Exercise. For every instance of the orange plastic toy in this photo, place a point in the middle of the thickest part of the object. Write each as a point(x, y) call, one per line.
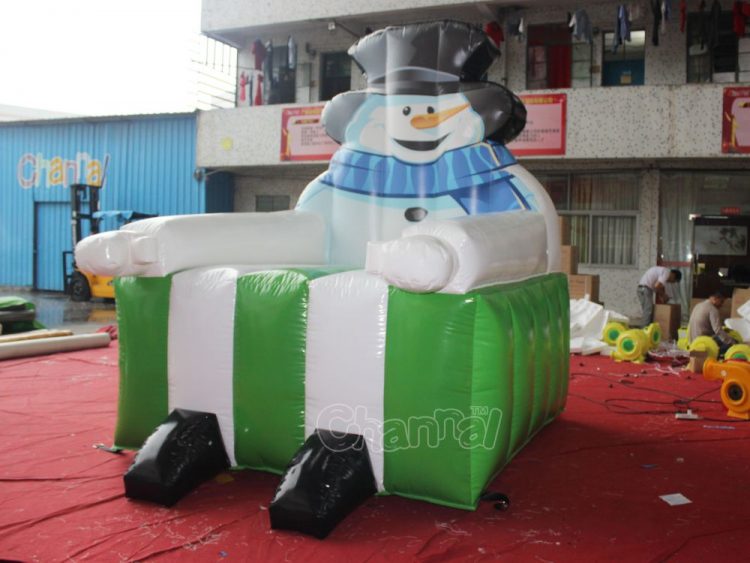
point(735, 391)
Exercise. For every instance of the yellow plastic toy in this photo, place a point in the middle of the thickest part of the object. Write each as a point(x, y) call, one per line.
point(738, 352)
point(612, 331)
point(735, 389)
point(653, 334)
point(683, 340)
point(705, 344)
point(631, 346)
point(736, 336)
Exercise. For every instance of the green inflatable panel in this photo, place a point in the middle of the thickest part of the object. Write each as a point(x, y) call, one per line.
point(143, 321)
point(482, 372)
point(269, 366)
point(468, 380)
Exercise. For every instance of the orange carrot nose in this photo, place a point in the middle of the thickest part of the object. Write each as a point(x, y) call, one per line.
point(429, 120)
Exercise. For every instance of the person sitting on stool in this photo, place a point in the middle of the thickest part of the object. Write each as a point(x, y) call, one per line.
point(705, 321)
point(653, 284)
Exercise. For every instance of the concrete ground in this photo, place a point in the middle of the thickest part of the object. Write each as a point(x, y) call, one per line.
point(56, 310)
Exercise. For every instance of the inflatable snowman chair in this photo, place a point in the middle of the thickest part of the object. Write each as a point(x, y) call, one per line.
point(403, 331)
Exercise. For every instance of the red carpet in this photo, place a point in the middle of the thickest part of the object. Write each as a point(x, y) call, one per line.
point(587, 488)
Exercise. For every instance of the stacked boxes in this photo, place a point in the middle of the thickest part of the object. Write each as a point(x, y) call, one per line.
point(579, 285)
point(564, 230)
point(668, 317)
point(569, 260)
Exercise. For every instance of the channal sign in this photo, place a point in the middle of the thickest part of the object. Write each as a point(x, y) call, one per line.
point(36, 170)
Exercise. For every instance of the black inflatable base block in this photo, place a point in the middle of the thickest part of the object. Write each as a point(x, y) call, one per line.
point(327, 479)
point(183, 452)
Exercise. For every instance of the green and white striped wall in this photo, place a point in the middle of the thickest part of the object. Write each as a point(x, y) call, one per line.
point(446, 389)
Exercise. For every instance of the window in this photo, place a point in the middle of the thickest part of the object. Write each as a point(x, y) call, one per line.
point(555, 59)
point(705, 193)
point(713, 53)
point(282, 77)
point(271, 202)
point(625, 67)
point(683, 193)
point(603, 211)
point(336, 75)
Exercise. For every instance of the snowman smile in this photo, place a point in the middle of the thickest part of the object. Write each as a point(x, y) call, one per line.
point(421, 145)
point(416, 129)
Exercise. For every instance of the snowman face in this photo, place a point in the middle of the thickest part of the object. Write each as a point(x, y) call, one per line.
point(414, 129)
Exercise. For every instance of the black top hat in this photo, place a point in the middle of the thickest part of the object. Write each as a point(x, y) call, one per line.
point(431, 59)
point(417, 58)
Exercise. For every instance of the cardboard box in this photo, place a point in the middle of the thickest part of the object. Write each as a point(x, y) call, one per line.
point(668, 316)
point(697, 359)
point(564, 229)
point(569, 259)
point(581, 285)
point(739, 298)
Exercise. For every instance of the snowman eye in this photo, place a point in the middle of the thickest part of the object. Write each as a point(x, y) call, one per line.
point(430, 109)
point(406, 110)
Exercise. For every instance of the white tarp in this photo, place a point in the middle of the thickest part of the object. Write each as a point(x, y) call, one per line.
point(587, 322)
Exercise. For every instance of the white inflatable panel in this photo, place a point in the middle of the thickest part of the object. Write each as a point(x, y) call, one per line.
point(740, 325)
point(164, 245)
point(744, 310)
point(200, 349)
point(587, 319)
point(547, 208)
point(345, 364)
point(483, 250)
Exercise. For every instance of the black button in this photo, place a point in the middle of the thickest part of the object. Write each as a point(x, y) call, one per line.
point(415, 214)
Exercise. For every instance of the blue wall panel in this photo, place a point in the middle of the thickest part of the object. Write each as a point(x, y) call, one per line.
point(151, 160)
point(52, 219)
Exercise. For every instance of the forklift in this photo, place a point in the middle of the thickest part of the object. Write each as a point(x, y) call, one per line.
point(80, 285)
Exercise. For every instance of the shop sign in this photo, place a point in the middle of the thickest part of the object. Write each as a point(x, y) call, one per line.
point(303, 136)
point(35, 170)
point(735, 130)
point(544, 134)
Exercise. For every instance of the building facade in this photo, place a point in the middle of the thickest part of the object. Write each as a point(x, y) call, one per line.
point(144, 164)
point(643, 122)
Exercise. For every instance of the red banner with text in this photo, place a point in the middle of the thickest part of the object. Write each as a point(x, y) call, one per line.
point(544, 134)
point(303, 136)
point(735, 130)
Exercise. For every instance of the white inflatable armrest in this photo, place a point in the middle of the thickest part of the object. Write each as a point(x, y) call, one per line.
point(165, 245)
point(458, 255)
point(418, 263)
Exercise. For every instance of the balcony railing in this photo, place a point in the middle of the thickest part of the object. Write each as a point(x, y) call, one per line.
point(638, 122)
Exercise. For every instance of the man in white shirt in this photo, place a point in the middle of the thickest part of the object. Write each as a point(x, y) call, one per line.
point(653, 284)
point(705, 321)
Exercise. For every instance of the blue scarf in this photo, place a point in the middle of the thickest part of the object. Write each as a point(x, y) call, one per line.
point(474, 176)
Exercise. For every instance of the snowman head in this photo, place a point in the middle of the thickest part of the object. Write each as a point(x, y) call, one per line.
point(415, 129)
point(425, 95)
